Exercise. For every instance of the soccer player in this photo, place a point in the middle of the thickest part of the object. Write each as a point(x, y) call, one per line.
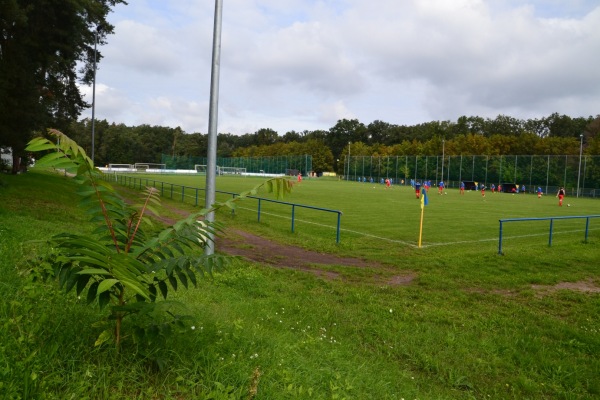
point(387, 183)
point(482, 190)
point(539, 192)
point(462, 188)
point(417, 189)
point(493, 187)
point(299, 177)
point(561, 196)
point(441, 187)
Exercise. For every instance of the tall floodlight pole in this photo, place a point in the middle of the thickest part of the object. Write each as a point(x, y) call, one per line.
point(94, 97)
point(580, 154)
point(349, 143)
point(211, 167)
point(443, 151)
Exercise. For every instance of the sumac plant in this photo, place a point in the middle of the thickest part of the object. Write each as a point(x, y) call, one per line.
point(126, 265)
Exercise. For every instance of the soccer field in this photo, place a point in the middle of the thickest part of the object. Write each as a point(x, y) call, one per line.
point(376, 217)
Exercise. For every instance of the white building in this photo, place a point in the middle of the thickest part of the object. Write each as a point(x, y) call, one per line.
point(6, 155)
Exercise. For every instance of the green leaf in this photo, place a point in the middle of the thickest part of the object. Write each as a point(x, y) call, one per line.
point(104, 337)
point(82, 282)
point(50, 160)
point(106, 284)
point(192, 277)
point(40, 146)
point(153, 292)
point(173, 282)
point(63, 275)
point(164, 290)
point(92, 291)
point(182, 278)
point(103, 299)
point(71, 280)
point(94, 271)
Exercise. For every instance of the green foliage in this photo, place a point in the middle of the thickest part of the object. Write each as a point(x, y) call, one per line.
point(123, 264)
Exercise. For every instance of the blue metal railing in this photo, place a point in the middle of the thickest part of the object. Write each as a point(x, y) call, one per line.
point(138, 183)
point(551, 219)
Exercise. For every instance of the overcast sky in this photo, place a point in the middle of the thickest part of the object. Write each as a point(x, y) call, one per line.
point(304, 64)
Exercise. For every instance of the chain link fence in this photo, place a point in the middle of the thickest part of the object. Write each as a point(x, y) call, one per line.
point(548, 172)
point(289, 165)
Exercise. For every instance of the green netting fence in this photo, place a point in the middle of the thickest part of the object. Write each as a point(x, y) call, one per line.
point(289, 164)
point(549, 172)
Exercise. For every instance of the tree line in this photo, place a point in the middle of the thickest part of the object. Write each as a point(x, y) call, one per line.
point(553, 135)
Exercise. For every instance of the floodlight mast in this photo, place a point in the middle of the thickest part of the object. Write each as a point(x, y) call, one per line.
point(211, 168)
point(443, 154)
point(94, 95)
point(580, 155)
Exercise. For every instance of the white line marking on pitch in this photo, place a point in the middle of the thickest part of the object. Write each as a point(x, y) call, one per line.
point(413, 244)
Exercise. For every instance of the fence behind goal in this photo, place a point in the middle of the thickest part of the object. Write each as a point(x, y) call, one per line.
point(548, 172)
point(266, 165)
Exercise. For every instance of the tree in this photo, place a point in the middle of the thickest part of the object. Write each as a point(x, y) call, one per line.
point(266, 136)
point(344, 132)
point(41, 45)
point(292, 136)
point(503, 125)
point(379, 132)
point(322, 158)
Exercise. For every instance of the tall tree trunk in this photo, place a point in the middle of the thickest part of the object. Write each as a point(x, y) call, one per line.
point(16, 163)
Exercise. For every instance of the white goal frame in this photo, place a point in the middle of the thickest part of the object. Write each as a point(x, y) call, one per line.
point(119, 166)
point(143, 167)
point(231, 171)
point(200, 168)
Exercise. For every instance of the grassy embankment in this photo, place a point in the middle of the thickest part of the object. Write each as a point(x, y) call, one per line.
point(470, 325)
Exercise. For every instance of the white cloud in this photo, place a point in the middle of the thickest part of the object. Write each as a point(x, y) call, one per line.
point(300, 64)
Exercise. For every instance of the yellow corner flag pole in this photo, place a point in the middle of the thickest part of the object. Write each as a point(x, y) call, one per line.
point(423, 203)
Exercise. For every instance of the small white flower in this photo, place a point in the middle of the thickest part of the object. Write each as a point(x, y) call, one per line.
point(193, 327)
point(391, 311)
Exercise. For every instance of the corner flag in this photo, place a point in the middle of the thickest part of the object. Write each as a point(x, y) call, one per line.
point(424, 202)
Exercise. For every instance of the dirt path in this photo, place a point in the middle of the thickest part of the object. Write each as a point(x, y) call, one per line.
point(264, 251)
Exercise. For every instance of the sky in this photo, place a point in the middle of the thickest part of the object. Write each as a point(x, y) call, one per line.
point(296, 65)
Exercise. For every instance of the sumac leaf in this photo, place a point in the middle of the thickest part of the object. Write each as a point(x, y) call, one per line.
point(173, 282)
point(164, 290)
point(92, 291)
point(103, 299)
point(82, 281)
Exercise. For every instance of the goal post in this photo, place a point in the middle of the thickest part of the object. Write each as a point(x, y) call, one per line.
point(120, 167)
point(231, 171)
point(149, 167)
point(200, 169)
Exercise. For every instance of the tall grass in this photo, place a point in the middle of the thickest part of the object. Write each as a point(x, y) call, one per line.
point(470, 325)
